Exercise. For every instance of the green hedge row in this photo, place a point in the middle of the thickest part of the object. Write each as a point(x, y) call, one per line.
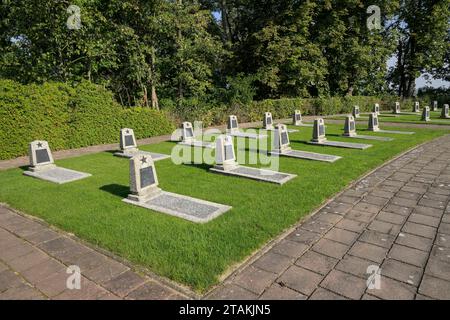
point(283, 108)
point(68, 117)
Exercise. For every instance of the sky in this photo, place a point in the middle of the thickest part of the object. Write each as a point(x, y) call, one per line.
point(422, 82)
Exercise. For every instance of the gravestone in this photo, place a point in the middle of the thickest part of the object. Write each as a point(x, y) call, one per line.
point(297, 118)
point(435, 106)
point(188, 137)
point(356, 113)
point(233, 130)
point(42, 165)
point(373, 122)
point(40, 156)
point(143, 179)
point(233, 125)
point(397, 108)
point(426, 114)
point(376, 109)
point(280, 142)
point(268, 121)
point(416, 107)
point(145, 192)
point(226, 164)
point(319, 131)
point(445, 112)
point(281, 147)
point(225, 157)
point(350, 127)
point(128, 147)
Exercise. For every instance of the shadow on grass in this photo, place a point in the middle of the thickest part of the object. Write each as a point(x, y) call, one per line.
point(116, 190)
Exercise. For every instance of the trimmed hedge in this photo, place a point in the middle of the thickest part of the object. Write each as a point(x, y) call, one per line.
point(68, 117)
point(282, 108)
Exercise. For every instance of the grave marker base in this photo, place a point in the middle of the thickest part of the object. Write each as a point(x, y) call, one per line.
point(257, 174)
point(340, 144)
point(395, 132)
point(130, 154)
point(358, 136)
point(247, 135)
point(57, 175)
point(188, 208)
point(306, 155)
point(198, 144)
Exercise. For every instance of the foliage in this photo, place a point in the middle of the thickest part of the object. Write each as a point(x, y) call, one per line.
point(68, 117)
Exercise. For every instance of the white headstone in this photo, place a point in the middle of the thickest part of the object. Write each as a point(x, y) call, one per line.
point(435, 105)
point(268, 121)
point(143, 178)
point(187, 133)
point(297, 118)
point(445, 112)
point(233, 125)
point(426, 114)
point(356, 113)
point(397, 108)
point(225, 157)
point(373, 122)
point(376, 108)
point(319, 131)
point(280, 141)
point(127, 140)
point(40, 156)
point(416, 107)
point(350, 127)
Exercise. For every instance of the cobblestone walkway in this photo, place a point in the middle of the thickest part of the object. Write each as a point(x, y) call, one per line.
point(397, 218)
point(34, 260)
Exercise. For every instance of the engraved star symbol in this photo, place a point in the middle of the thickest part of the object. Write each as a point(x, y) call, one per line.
point(144, 160)
point(128, 131)
point(39, 145)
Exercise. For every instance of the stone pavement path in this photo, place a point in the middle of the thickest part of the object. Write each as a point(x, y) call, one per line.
point(34, 260)
point(396, 218)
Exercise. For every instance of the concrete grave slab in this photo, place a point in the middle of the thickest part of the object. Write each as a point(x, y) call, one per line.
point(146, 193)
point(319, 138)
point(281, 147)
point(226, 164)
point(129, 149)
point(374, 126)
point(42, 165)
point(350, 131)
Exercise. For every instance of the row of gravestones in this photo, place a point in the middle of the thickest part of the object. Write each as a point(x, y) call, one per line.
point(144, 182)
point(416, 109)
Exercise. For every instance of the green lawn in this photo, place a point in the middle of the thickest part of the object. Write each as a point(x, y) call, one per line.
point(192, 254)
point(404, 118)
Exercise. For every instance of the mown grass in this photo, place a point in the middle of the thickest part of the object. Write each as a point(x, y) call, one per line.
point(192, 254)
point(435, 118)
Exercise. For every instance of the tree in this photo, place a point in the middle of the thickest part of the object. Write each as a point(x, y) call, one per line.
point(423, 45)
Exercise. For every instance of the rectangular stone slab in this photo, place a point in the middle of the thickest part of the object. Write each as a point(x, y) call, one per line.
point(307, 155)
point(395, 132)
point(340, 144)
point(304, 125)
point(247, 135)
point(359, 136)
point(58, 175)
point(155, 156)
point(258, 174)
point(188, 208)
point(198, 144)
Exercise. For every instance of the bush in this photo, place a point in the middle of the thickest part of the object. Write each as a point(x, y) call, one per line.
point(68, 117)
